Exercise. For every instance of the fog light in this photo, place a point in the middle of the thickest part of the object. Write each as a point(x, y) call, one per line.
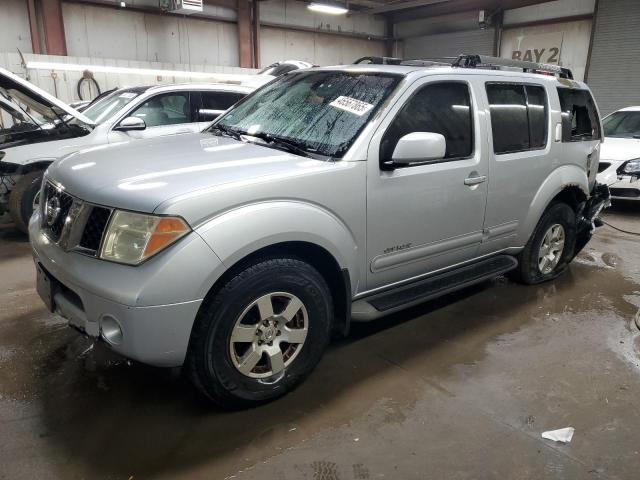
point(110, 330)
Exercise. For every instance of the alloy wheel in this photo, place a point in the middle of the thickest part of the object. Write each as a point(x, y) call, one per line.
point(268, 335)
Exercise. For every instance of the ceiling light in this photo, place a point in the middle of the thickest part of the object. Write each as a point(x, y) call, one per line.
point(331, 9)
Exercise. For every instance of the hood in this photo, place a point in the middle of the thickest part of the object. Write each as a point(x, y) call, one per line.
point(143, 174)
point(619, 149)
point(18, 90)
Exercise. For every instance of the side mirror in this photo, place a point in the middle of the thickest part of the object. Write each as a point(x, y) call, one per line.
point(631, 167)
point(131, 123)
point(419, 147)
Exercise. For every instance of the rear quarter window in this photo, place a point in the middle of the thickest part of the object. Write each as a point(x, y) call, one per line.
point(580, 119)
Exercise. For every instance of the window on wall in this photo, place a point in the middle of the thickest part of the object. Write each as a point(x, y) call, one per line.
point(443, 108)
point(518, 117)
point(579, 115)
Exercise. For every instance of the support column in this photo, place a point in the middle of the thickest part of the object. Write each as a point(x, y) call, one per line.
point(54, 39)
point(33, 26)
point(255, 33)
point(244, 34)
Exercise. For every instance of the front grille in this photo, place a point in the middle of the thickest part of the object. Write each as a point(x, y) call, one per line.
point(94, 228)
point(602, 166)
point(625, 192)
point(55, 211)
point(72, 223)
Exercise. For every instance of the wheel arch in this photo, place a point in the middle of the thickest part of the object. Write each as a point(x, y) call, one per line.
point(568, 184)
point(338, 278)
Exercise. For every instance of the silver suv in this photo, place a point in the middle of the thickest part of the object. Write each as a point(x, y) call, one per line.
point(330, 195)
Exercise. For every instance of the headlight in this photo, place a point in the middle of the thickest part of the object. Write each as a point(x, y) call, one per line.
point(632, 167)
point(133, 237)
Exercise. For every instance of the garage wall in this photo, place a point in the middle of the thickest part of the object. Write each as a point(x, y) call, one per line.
point(443, 36)
point(450, 44)
point(14, 26)
point(614, 70)
point(318, 48)
point(93, 31)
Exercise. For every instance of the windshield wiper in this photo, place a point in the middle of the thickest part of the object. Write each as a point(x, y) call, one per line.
point(229, 132)
point(284, 144)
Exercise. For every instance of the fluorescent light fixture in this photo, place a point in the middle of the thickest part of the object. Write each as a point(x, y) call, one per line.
point(331, 9)
point(123, 4)
point(74, 67)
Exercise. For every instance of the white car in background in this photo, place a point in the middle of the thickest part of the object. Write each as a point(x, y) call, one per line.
point(42, 128)
point(620, 152)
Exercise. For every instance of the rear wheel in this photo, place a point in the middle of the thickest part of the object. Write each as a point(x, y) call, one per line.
point(261, 334)
point(23, 199)
point(550, 247)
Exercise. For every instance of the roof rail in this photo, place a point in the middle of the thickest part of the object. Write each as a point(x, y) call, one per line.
point(379, 60)
point(484, 61)
point(474, 61)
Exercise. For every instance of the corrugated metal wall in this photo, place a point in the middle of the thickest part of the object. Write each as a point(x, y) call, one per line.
point(614, 70)
point(450, 44)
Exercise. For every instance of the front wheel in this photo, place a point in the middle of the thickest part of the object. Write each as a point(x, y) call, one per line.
point(261, 334)
point(551, 246)
point(23, 199)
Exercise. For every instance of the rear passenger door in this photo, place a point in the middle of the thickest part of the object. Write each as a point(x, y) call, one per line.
point(215, 103)
point(520, 159)
point(426, 216)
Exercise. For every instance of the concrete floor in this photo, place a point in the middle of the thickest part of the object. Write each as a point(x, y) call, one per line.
point(457, 388)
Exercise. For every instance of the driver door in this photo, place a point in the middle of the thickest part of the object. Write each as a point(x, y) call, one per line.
point(426, 216)
point(164, 114)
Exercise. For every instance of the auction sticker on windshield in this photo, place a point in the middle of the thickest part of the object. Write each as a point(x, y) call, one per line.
point(352, 105)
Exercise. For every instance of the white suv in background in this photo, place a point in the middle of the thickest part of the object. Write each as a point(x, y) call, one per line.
point(620, 153)
point(44, 128)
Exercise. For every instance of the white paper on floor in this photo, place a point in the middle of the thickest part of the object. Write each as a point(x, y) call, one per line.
point(563, 435)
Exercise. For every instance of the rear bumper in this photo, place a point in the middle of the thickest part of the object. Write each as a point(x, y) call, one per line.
point(153, 305)
point(600, 199)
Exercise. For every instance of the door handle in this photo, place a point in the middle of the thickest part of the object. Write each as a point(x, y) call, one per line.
point(470, 181)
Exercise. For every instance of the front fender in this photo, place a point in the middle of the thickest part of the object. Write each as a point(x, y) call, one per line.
point(242, 231)
point(561, 178)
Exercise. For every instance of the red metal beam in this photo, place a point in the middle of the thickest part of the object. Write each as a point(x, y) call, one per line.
point(245, 46)
point(54, 39)
point(33, 26)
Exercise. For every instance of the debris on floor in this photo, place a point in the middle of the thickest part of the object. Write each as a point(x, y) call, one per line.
point(563, 435)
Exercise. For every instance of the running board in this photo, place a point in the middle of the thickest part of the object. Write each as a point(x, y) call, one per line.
point(391, 301)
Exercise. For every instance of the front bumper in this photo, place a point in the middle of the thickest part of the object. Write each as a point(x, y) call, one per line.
point(154, 304)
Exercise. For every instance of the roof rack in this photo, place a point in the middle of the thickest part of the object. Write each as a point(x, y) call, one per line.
point(474, 61)
point(484, 61)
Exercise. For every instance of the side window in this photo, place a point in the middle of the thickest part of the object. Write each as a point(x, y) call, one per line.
point(165, 109)
point(215, 103)
point(579, 115)
point(537, 111)
point(518, 117)
point(443, 108)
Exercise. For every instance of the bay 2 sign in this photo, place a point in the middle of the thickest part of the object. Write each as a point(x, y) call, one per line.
point(540, 48)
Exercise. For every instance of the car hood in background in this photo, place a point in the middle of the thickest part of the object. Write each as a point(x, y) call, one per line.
point(143, 174)
point(19, 90)
point(619, 149)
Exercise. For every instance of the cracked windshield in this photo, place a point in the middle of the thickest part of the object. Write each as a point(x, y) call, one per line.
point(320, 112)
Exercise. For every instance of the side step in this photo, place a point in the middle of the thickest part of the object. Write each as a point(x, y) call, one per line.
point(432, 287)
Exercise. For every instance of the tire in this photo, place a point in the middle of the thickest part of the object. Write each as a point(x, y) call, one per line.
point(530, 269)
point(214, 361)
point(22, 197)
